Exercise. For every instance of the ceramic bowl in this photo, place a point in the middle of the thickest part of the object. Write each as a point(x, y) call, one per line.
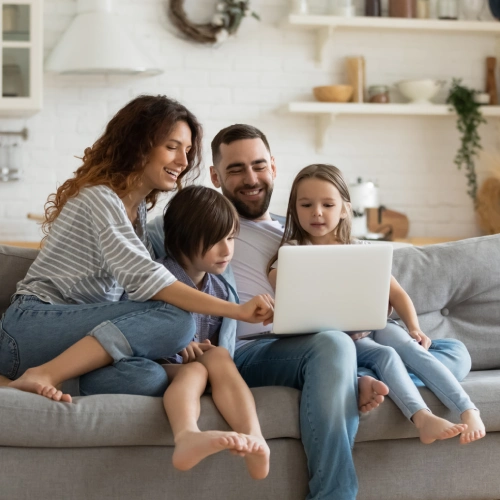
point(420, 91)
point(333, 93)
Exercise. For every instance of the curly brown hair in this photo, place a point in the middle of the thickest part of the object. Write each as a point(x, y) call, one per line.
point(118, 158)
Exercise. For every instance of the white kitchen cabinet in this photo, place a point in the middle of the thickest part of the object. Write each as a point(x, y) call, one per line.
point(21, 58)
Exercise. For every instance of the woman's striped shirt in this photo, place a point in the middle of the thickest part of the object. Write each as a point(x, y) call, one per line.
point(93, 254)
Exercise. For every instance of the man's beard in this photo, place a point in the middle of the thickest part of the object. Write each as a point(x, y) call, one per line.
point(246, 211)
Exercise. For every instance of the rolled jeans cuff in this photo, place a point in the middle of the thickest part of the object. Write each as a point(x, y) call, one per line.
point(112, 340)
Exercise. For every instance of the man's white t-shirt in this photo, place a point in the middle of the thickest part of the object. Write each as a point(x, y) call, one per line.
point(254, 246)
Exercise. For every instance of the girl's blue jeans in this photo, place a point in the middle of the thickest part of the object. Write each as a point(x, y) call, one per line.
point(391, 352)
point(323, 367)
point(133, 333)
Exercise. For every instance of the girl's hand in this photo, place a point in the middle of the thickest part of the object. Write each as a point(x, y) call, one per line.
point(421, 338)
point(260, 309)
point(194, 350)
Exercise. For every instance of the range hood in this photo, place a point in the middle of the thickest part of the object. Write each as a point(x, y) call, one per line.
point(96, 43)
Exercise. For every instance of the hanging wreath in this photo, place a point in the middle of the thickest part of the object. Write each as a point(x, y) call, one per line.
point(225, 22)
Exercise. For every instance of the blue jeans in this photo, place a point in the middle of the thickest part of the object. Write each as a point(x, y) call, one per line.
point(133, 333)
point(391, 352)
point(323, 366)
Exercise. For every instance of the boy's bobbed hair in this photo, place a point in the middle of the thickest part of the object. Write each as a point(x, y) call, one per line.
point(195, 219)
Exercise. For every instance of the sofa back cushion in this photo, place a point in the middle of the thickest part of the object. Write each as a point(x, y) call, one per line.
point(455, 288)
point(14, 264)
point(456, 291)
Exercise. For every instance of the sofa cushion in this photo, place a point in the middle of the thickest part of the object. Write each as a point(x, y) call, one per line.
point(456, 291)
point(124, 420)
point(14, 264)
point(387, 421)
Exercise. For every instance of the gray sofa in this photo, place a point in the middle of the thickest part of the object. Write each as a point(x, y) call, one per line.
point(120, 447)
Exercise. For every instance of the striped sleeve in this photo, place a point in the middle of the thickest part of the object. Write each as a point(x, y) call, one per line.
point(127, 259)
point(124, 256)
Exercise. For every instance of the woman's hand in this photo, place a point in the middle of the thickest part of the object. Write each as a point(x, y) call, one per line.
point(194, 350)
point(421, 338)
point(260, 309)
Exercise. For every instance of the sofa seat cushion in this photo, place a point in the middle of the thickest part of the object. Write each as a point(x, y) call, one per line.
point(387, 421)
point(124, 420)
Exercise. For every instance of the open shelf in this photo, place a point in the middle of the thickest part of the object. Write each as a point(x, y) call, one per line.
point(327, 112)
point(327, 25)
point(394, 23)
point(352, 108)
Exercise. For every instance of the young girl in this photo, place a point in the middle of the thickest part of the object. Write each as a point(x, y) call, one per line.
point(67, 318)
point(199, 246)
point(319, 213)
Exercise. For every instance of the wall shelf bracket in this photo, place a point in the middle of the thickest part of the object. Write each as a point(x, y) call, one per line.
point(324, 124)
point(323, 38)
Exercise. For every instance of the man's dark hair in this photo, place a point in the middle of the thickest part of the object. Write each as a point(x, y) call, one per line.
point(233, 133)
point(195, 219)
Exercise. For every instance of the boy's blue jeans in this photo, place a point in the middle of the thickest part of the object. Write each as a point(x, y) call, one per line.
point(323, 366)
point(133, 333)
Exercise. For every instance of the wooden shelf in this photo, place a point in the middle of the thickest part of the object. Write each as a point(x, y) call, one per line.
point(327, 112)
point(326, 26)
point(426, 240)
point(23, 244)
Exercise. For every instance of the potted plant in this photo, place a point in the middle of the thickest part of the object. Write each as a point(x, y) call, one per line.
point(469, 117)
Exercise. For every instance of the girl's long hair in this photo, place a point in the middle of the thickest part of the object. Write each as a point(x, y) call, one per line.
point(118, 158)
point(293, 229)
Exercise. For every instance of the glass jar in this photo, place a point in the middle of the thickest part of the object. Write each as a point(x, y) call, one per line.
point(423, 9)
point(402, 8)
point(300, 7)
point(372, 8)
point(448, 9)
point(378, 94)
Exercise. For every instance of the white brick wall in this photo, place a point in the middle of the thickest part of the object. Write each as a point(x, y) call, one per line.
point(249, 79)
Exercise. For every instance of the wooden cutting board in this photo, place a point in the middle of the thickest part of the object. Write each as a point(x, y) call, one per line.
point(380, 219)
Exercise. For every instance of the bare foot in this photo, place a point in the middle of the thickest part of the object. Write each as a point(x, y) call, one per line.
point(34, 380)
point(475, 427)
point(432, 428)
point(371, 393)
point(192, 447)
point(4, 381)
point(257, 457)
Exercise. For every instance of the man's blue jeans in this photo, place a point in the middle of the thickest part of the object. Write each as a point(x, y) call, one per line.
point(323, 366)
point(133, 333)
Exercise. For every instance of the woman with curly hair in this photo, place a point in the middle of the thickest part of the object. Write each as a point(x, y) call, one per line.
point(94, 301)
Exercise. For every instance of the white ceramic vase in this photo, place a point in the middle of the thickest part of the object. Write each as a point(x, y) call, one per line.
point(472, 9)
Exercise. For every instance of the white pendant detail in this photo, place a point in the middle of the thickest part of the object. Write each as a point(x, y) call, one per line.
point(97, 43)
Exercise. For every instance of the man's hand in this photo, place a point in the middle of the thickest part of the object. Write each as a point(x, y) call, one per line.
point(421, 338)
point(260, 309)
point(194, 350)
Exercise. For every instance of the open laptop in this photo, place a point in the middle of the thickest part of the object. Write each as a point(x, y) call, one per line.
point(330, 287)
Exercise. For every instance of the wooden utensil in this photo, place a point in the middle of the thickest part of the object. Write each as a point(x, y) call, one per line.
point(491, 81)
point(380, 219)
